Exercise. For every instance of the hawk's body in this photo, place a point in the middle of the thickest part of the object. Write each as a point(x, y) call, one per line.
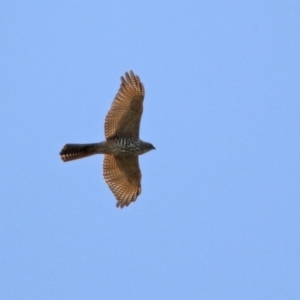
point(122, 146)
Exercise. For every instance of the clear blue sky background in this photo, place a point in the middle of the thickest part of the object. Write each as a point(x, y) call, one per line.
point(219, 215)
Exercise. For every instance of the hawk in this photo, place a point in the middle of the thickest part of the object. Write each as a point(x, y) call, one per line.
point(122, 144)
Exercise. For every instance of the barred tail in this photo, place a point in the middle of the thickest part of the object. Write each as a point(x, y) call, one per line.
point(76, 151)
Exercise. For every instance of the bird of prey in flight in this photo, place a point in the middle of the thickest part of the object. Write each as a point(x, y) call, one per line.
point(122, 144)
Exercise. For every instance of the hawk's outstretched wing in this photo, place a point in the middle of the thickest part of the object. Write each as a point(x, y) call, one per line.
point(124, 116)
point(123, 176)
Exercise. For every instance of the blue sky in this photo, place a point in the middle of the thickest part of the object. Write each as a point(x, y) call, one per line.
point(219, 214)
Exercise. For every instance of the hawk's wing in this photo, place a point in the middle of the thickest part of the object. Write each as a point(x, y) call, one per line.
point(123, 176)
point(124, 116)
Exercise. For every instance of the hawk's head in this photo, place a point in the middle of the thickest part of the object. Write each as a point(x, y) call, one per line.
point(146, 147)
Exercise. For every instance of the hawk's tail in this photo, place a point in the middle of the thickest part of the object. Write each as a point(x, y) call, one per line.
point(76, 151)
